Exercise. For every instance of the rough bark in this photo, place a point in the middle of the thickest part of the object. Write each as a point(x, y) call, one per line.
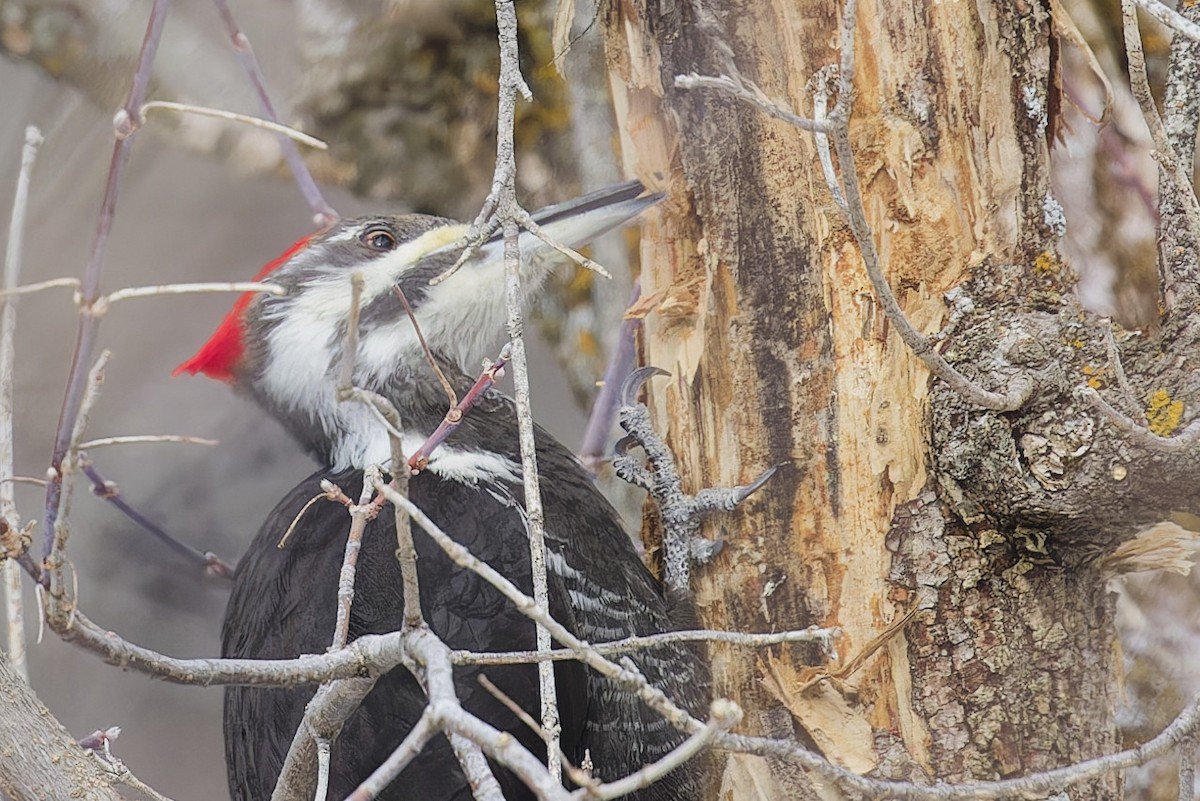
point(778, 353)
point(39, 759)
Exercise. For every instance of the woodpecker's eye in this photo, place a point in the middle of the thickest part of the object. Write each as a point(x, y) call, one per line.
point(378, 239)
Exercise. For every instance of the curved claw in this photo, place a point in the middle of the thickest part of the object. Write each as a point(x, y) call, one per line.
point(746, 490)
point(633, 383)
point(623, 445)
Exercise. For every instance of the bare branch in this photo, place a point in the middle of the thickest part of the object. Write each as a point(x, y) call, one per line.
point(1185, 439)
point(207, 561)
point(1171, 18)
point(41, 758)
point(100, 306)
point(811, 634)
point(58, 604)
point(432, 362)
point(508, 211)
point(1176, 183)
point(526, 221)
point(534, 514)
point(432, 654)
point(360, 513)
point(369, 655)
point(420, 457)
point(14, 614)
point(526, 605)
point(323, 213)
point(140, 439)
point(85, 341)
point(398, 760)
point(748, 92)
point(329, 709)
point(29, 289)
point(1035, 785)
point(724, 715)
point(232, 116)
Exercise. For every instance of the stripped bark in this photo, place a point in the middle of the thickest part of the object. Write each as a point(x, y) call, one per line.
point(779, 353)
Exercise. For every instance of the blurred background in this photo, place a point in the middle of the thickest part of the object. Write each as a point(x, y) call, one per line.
point(412, 128)
point(404, 92)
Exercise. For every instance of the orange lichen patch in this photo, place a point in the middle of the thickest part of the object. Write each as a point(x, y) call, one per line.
point(1163, 413)
point(1046, 263)
point(1093, 373)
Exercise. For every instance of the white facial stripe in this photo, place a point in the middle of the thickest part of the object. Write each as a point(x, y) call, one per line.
point(327, 297)
point(347, 235)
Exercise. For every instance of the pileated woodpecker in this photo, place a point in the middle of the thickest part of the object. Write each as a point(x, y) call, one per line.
point(285, 351)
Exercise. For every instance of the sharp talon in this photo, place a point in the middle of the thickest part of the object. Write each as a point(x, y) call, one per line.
point(623, 445)
point(703, 551)
point(754, 486)
point(633, 383)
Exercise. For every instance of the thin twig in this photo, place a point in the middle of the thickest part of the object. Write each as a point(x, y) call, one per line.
point(579, 777)
point(432, 362)
point(398, 760)
point(386, 412)
point(232, 116)
point(1187, 768)
point(534, 513)
point(323, 213)
point(29, 289)
point(1037, 785)
point(1184, 440)
point(322, 769)
point(526, 221)
point(360, 514)
point(55, 561)
point(125, 129)
point(527, 606)
point(109, 491)
point(14, 614)
point(629, 644)
point(100, 306)
point(508, 212)
point(1175, 177)
point(433, 656)
point(329, 709)
point(752, 95)
point(723, 716)
point(458, 410)
point(1171, 18)
point(139, 439)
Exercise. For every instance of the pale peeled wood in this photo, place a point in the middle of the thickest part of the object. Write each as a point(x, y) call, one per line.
point(765, 319)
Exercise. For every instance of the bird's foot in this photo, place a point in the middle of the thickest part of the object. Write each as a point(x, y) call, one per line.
point(682, 513)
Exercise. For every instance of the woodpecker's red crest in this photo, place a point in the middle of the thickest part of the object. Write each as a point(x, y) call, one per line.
point(225, 347)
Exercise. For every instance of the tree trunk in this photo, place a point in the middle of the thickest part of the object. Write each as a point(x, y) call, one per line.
point(39, 759)
point(779, 353)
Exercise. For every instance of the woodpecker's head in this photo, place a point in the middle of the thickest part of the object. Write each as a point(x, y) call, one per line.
point(286, 350)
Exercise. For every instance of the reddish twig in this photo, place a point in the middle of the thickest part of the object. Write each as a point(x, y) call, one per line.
point(419, 460)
